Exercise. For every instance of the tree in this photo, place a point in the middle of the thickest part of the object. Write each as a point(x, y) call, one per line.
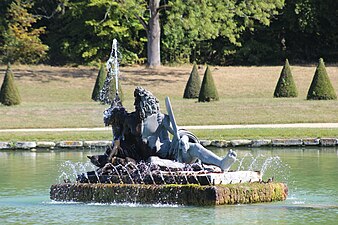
point(310, 29)
point(193, 85)
point(99, 82)
point(9, 94)
point(216, 26)
point(208, 90)
point(84, 32)
point(321, 87)
point(304, 31)
point(187, 22)
point(21, 41)
point(285, 87)
point(4, 4)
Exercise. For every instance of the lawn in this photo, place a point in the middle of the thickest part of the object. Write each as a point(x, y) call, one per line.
point(60, 97)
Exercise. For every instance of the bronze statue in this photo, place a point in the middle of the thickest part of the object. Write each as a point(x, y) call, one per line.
point(144, 135)
point(184, 147)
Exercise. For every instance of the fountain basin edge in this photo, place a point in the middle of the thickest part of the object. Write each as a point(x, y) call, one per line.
point(187, 194)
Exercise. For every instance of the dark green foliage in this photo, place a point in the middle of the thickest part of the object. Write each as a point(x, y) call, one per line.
point(82, 33)
point(109, 91)
point(9, 94)
point(321, 87)
point(193, 86)
point(285, 87)
point(208, 90)
point(99, 82)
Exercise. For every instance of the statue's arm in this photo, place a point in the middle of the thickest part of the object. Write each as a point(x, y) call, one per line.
point(166, 123)
point(118, 135)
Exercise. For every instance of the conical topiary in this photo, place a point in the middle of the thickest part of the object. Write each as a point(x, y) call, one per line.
point(285, 87)
point(193, 86)
point(112, 92)
point(321, 87)
point(9, 94)
point(108, 91)
point(208, 90)
point(99, 82)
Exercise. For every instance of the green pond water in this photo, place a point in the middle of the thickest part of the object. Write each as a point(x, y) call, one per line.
point(311, 175)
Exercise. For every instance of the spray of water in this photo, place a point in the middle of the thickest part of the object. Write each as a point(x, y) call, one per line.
point(269, 166)
point(69, 170)
point(112, 72)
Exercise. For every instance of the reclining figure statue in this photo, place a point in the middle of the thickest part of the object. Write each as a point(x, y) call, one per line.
point(144, 135)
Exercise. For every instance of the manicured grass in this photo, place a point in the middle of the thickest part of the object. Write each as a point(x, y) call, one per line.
point(56, 136)
point(265, 133)
point(222, 134)
point(60, 97)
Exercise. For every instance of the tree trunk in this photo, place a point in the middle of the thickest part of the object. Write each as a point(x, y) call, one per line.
point(154, 35)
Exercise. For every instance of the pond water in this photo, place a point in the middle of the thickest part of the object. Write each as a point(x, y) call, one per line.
point(311, 174)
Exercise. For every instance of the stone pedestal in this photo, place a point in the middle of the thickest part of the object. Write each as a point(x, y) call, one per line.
point(191, 194)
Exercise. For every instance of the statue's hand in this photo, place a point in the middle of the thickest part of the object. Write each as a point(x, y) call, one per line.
point(184, 144)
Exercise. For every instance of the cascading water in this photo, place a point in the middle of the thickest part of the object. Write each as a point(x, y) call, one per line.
point(269, 166)
point(69, 170)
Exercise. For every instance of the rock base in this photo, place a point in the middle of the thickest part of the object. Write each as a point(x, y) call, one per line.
point(190, 194)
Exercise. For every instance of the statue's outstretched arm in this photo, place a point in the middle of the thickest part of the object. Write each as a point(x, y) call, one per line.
point(167, 125)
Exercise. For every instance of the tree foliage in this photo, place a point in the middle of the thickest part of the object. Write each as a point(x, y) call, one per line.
point(219, 32)
point(21, 41)
point(321, 87)
point(193, 85)
point(286, 86)
point(191, 25)
point(9, 93)
point(91, 26)
point(304, 31)
point(208, 90)
point(186, 25)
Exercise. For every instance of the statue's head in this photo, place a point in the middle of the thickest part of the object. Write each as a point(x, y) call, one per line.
point(145, 103)
point(114, 115)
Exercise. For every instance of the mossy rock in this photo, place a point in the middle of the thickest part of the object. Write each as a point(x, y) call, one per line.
point(321, 87)
point(193, 85)
point(188, 194)
point(208, 90)
point(99, 82)
point(286, 86)
point(9, 93)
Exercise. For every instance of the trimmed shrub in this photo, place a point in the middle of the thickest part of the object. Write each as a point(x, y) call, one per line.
point(208, 90)
point(321, 87)
point(113, 89)
point(99, 82)
point(9, 94)
point(285, 87)
point(193, 85)
point(109, 91)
